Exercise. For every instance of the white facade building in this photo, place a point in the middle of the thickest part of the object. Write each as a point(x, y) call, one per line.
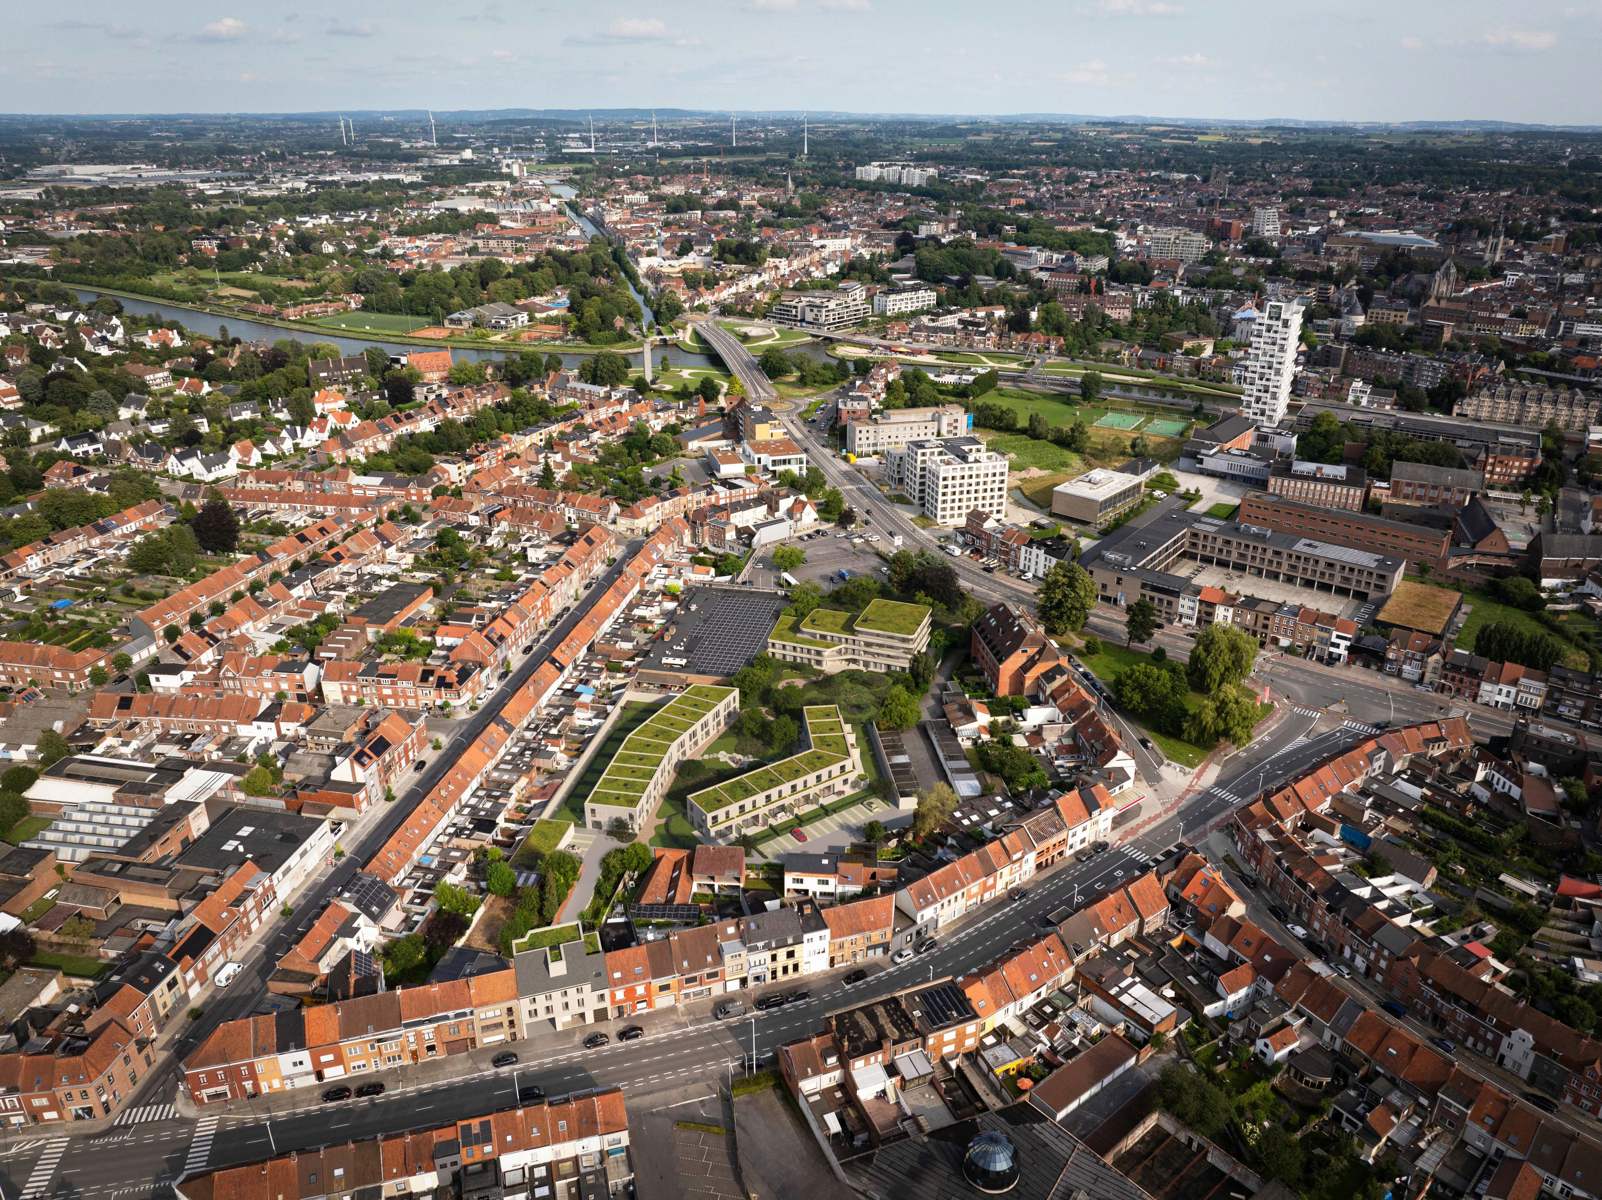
point(891, 303)
point(1271, 362)
point(949, 477)
point(1265, 222)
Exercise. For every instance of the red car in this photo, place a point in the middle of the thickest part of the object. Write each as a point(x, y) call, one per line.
point(798, 835)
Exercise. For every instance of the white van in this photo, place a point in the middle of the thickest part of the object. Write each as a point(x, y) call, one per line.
point(226, 974)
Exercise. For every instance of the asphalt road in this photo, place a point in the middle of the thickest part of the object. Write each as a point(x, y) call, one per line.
point(250, 988)
point(738, 359)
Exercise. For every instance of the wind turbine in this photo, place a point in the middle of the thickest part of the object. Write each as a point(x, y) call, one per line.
point(433, 134)
point(803, 135)
point(592, 135)
point(734, 130)
point(653, 129)
point(342, 139)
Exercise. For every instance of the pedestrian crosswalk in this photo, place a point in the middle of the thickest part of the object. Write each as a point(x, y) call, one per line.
point(1360, 727)
point(1225, 795)
point(1306, 712)
point(200, 1148)
point(148, 1112)
point(45, 1169)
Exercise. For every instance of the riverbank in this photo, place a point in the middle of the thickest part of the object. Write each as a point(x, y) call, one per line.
point(326, 333)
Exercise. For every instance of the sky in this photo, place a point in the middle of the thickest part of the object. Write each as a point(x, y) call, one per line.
point(1367, 60)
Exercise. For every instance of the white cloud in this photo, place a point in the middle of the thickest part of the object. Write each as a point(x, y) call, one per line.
point(1188, 60)
point(773, 5)
point(502, 55)
point(1520, 40)
point(224, 29)
point(1141, 8)
point(845, 5)
point(627, 30)
point(1412, 43)
point(1093, 72)
point(351, 29)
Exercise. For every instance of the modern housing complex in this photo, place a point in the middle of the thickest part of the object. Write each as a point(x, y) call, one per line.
point(948, 477)
point(894, 428)
point(638, 776)
point(885, 636)
point(829, 766)
point(1271, 364)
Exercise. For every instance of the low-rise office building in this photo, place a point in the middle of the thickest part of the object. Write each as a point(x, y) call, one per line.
point(823, 312)
point(1097, 497)
point(1375, 535)
point(894, 428)
point(1327, 485)
point(885, 636)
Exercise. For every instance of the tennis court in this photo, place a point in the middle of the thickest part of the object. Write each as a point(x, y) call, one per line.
point(1119, 420)
point(1167, 427)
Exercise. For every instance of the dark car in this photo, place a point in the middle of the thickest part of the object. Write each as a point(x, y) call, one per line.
point(1101, 847)
point(769, 1003)
point(504, 1059)
point(1084, 856)
point(335, 1094)
point(630, 1033)
point(595, 1041)
point(798, 996)
point(855, 977)
point(371, 1089)
point(925, 946)
point(1018, 894)
point(530, 1093)
point(1444, 1045)
point(1544, 1103)
point(1395, 1007)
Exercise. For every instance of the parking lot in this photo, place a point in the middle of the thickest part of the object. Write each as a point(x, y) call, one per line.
point(827, 555)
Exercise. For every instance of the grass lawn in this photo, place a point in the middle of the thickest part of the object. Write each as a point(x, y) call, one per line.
point(1025, 451)
point(26, 828)
point(1485, 611)
point(1223, 510)
point(1038, 490)
point(372, 322)
point(71, 964)
point(634, 715)
point(1114, 658)
point(37, 909)
point(541, 840)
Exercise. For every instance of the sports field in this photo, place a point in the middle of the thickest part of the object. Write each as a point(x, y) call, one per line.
point(366, 322)
point(1166, 427)
point(1120, 420)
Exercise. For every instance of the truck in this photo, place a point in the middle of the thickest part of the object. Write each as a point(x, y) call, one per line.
point(897, 541)
point(788, 579)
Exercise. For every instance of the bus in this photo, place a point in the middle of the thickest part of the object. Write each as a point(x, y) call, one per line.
point(788, 579)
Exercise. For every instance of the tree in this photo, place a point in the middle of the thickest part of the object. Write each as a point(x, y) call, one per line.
point(775, 363)
point(782, 734)
point(899, 709)
point(1089, 387)
point(500, 879)
point(172, 633)
point(547, 475)
point(216, 527)
point(1092, 646)
point(1066, 596)
point(804, 597)
point(52, 747)
point(455, 900)
point(637, 858)
point(258, 781)
point(121, 663)
point(1229, 715)
point(77, 929)
point(98, 676)
point(18, 779)
point(789, 558)
point(13, 808)
point(1141, 621)
point(404, 955)
point(1222, 655)
point(16, 947)
point(935, 807)
point(875, 834)
point(605, 369)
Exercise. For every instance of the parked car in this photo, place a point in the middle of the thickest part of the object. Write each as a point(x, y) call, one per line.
point(901, 956)
point(1444, 1045)
point(595, 1041)
point(1544, 1103)
point(770, 1002)
point(1395, 1007)
point(1084, 856)
point(855, 977)
point(226, 974)
point(798, 996)
point(504, 1059)
point(530, 1093)
point(729, 1008)
point(1344, 969)
point(1297, 932)
point(1101, 847)
point(1018, 894)
point(335, 1094)
point(630, 1033)
point(925, 945)
point(798, 835)
point(371, 1089)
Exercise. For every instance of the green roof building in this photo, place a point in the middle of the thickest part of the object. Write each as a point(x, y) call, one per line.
point(885, 636)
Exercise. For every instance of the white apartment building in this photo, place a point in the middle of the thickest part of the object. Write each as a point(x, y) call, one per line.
point(894, 302)
point(949, 477)
point(896, 172)
point(894, 428)
point(821, 311)
point(1186, 245)
point(1265, 222)
point(1271, 362)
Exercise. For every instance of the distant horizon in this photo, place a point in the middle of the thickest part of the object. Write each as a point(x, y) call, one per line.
point(1440, 61)
point(636, 113)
